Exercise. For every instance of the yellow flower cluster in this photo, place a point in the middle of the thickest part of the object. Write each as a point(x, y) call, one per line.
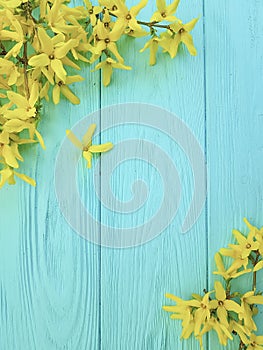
point(224, 310)
point(42, 41)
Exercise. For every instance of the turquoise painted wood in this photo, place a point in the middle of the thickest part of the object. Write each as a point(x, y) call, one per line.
point(60, 291)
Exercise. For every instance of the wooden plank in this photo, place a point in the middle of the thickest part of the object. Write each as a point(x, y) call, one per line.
point(134, 280)
point(234, 64)
point(49, 275)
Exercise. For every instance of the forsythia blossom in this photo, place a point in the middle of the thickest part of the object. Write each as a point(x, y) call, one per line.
point(44, 43)
point(223, 310)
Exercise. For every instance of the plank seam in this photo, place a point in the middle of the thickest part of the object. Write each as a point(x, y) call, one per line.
point(205, 144)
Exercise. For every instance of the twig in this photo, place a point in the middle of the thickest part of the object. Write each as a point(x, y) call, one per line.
point(25, 62)
point(254, 286)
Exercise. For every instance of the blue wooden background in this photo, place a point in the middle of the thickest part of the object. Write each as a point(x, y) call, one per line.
point(59, 291)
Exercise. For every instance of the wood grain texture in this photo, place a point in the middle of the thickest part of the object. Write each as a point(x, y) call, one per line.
point(59, 291)
point(49, 276)
point(134, 280)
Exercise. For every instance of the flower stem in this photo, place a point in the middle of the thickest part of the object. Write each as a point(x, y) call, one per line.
point(25, 61)
point(148, 24)
point(154, 24)
point(254, 286)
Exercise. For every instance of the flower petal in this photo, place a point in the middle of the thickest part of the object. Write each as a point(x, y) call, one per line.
point(88, 135)
point(88, 156)
point(239, 237)
point(137, 8)
point(171, 9)
point(190, 26)
point(231, 305)
point(222, 315)
point(17, 99)
point(187, 39)
point(219, 263)
point(56, 94)
point(65, 90)
point(63, 50)
point(74, 139)
point(40, 139)
point(26, 178)
point(45, 41)
point(59, 70)
point(9, 157)
point(220, 291)
point(40, 60)
point(101, 148)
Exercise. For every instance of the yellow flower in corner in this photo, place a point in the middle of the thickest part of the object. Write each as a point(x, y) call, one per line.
point(165, 12)
point(255, 342)
point(86, 145)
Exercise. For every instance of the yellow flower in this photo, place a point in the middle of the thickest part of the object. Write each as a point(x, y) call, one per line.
point(247, 300)
point(178, 33)
point(222, 304)
point(107, 69)
point(202, 314)
point(241, 330)
point(25, 108)
point(93, 12)
point(227, 274)
point(136, 33)
point(7, 175)
point(53, 51)
point(56, 15)
point(153, 45)
point(255, 342)
point(62, 88)
point(258, 234)
point(239, 260)
point(13, 33)
point(180, 311)
point(10, 69)
point(221, 330)
point(9, 150)
point(165, 12)
point(126, 17)
point(18, 125)
point(86, 145)
point(106, 20)
point(106, 40)
point(246, 244)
